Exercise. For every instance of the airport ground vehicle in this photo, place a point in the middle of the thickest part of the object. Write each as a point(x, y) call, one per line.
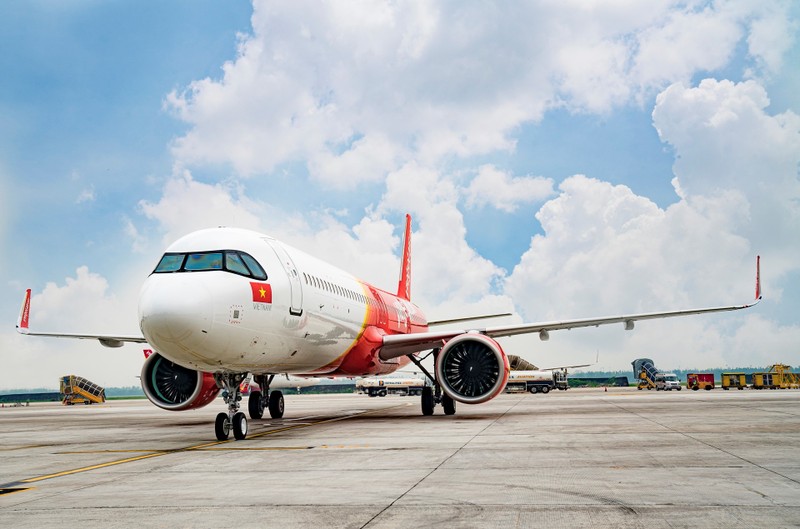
point(382, 386)
point(697, 381)
point(779, 376)
point(78, 390)
point(667, 382)
point(645, 372)
point(536, 381)
point(734, 380)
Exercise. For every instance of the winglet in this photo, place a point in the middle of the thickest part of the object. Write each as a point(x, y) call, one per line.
point(758, 277)
point(24, 313)
point(404, 286)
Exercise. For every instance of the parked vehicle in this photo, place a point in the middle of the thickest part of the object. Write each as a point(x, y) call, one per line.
point(695, 381)
point(667, 382)
point(536, 381)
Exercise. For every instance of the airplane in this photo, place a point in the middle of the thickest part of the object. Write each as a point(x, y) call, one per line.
point(225, 303)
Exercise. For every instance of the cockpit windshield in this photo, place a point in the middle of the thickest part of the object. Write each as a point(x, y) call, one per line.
point(228, 260)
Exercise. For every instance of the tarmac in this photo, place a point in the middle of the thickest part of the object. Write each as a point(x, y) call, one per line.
point(580, 458)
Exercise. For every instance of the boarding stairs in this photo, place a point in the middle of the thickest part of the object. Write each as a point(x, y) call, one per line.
point(75, 389)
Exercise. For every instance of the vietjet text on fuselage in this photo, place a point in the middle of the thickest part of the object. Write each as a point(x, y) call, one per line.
point(226, 303)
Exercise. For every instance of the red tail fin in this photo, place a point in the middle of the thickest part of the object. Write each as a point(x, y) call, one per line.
point(25, 313)
point(404, 287)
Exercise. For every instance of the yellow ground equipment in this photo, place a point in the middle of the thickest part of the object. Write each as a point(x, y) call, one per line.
point(734, 380)
point(697, 381)
point(76, 390)
point(779, 376)
point(645, 372)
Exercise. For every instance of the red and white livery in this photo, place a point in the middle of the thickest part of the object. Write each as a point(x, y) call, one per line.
point(226, 303)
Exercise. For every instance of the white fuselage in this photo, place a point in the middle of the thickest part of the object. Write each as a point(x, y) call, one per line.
point(214, 320)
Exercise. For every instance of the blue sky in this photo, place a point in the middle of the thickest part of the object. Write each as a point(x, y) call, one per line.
point(124, 125)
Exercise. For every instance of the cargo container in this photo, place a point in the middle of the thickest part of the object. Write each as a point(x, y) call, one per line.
point(697, 381)
point(765, 381)
point(734, 380)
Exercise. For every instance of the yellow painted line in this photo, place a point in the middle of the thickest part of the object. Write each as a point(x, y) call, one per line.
point(202, 447)
point(93, 467)
point(255, 448)
point(11, 449)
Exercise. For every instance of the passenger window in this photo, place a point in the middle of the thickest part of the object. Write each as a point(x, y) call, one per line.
point(170, 263)
point(233, 262)
point(204, 261)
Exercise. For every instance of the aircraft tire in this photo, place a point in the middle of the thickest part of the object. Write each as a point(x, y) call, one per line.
point(222, 427)
point(449, 405)
point(275, 404)
point(239, 426)
point(255, 405)
point(427, 401)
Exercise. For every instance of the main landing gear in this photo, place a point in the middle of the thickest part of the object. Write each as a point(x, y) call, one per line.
point(233, 420)
point(433, 395)
point(265, 399)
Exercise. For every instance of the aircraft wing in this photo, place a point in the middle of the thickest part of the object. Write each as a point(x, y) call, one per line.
point(396, 345)
point(109, 340)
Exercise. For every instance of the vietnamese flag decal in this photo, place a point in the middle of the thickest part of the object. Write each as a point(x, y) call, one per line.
point(262, 292)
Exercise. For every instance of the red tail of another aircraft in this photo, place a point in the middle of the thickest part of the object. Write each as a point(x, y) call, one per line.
point(404, 287)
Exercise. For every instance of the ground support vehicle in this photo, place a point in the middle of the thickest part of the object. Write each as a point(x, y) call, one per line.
point(734, 380)
point(382, 386)
point(536, 381)
point(765, 381)
point(779, 376)
point(645, 371)
point(695, 381)
point(667, 382)
point(78, 390)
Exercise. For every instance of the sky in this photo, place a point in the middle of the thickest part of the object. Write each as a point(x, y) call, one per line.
point(560, 159)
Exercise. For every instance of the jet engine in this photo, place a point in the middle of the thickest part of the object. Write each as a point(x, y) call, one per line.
point(472, 368)
point(173, 387)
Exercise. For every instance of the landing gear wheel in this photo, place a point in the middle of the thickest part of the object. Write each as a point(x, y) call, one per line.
point(222, 426)
point(239, 426)
point(427, 401)
point(449, 405)
point(545, 389)
point(255, 405)
point(276, 404)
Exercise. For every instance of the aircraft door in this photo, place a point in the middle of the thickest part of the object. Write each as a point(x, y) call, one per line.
point(295, 285)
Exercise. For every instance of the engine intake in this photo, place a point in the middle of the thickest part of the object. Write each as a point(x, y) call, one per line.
point(472, 368)
point(173, 387)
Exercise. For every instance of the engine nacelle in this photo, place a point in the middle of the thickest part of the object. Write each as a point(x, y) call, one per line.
point(173, 387)
point(472, 368)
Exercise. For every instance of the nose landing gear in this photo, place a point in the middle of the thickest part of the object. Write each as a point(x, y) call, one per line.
point(233, 420)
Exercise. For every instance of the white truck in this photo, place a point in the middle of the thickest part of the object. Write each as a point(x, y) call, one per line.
point(382, 386)
point(667, 382)
point(536, 381)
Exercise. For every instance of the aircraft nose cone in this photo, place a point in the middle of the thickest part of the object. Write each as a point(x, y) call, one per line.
point(175, 313)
